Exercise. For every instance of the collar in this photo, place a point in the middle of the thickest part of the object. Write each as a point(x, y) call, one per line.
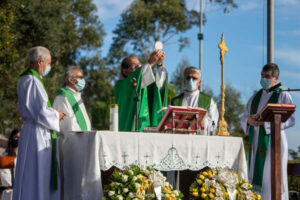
point(78, 94)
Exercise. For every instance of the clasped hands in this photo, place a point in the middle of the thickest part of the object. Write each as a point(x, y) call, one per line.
point(157, 56)
point(253, 122)
point(61, 114)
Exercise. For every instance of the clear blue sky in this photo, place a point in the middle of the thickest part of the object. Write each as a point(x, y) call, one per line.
point(243, 29)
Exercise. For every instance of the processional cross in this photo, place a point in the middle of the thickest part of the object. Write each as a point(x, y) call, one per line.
point(222, 124)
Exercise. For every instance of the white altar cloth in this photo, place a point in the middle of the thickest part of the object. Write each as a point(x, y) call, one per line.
point(167, 152)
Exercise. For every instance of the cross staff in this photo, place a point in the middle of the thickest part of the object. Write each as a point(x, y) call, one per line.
point(222, 124)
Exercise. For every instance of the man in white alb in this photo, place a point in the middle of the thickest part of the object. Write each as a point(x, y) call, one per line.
point(69, 100)
point(259, 162)
point(37, 174)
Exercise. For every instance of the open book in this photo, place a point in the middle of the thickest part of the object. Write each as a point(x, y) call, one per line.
point(265, 114)
point(181, 119)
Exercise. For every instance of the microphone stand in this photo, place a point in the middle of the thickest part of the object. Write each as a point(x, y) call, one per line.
point(290, 90)
point(136, 100)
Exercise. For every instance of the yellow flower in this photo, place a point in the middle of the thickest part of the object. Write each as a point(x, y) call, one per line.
point(212, 190)
point(214, 171)
point(199, 181)
point(202, 189)
point(194, 190)
point(250, 186)
point(237, 192)
point(241, 182)
point(209, 174)
point(258, 197)
point(202, 177)
point(253, 196)
point(195, 194)
point(211, 195)
point(226, 194)
point(203, 195)
point(204, 173)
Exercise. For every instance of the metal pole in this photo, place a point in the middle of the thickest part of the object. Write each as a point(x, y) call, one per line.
point(270, 31)
point(200, 38)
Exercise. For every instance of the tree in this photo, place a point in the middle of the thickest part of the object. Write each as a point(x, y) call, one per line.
point(148, 21)
point(68, 28)
point(178, 75)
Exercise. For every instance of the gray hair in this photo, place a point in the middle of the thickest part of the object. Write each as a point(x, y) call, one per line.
point(69, 73)
point(38, 53)
point(191, 69)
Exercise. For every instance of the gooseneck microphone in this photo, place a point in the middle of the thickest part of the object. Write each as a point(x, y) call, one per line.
point(273, 88)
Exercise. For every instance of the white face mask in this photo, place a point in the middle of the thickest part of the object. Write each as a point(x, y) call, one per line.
point(265, 83)
point(191, 84)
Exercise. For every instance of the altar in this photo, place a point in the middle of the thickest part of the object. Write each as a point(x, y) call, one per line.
point(84, 155)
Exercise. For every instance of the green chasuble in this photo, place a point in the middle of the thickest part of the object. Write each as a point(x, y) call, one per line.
point(157, 99)
point(124, 97)
point(203, 101)
point(33, 72)
point(76, 109)
point(150, 101)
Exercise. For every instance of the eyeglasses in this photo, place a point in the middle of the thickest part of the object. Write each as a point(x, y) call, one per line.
point(191, 77)
point(136, 65)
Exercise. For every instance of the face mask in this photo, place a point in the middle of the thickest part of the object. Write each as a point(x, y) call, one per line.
point(191, 84)
point(80, 84)
point(47, 70)
point(14, 142)
point(265, 83)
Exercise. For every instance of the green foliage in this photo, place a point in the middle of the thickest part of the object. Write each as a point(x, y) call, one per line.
point(148, 21)
point(294, 181)
point(171, 92)
point(178, 75)
point(68, 28)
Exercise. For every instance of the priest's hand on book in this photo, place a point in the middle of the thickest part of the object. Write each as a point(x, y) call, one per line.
point(252, 121)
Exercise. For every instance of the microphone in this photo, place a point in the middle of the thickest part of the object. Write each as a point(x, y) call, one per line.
point(133, 81)
point(273, 88)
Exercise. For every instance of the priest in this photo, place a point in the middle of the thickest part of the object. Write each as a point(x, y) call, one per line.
point(69, 100)
point(259, 161)
point(152, 92)
point(193, 97)
point(37, 175)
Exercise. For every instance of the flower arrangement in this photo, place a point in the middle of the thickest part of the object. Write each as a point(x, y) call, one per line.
point(221, 184)
point(139, 183)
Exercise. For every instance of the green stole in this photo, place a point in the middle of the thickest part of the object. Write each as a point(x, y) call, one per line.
point(263, 142)
point(33, 72)
point(203, 101)
point(124, 97)
point(157, 99)
point(76, 109)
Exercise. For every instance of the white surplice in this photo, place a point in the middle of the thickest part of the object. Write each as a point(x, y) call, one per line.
point(33, 170)
point(72, 178)
point(284, 98)
point(212, 116)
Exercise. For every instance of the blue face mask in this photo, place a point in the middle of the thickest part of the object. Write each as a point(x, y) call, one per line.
point(80, 84)
point(47, 70)
point(265, 83)
point(191, 84)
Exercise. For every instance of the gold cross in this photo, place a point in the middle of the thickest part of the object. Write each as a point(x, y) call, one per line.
point(222, 45)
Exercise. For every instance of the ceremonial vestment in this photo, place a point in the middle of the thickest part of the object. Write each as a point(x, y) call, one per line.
point(76, 119)
point(151, 99)
point(35, 158)
point(259, 168)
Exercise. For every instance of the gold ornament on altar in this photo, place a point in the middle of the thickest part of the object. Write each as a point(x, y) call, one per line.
point(222, 124)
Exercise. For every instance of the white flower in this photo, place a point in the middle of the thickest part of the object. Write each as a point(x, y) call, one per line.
point(176, 192)
point(134, 178)
point(147, 172)
point(119, 197)
point(166, 184)
point(245, 186)
point(137, 185)
point(111, 193)
point(124, 178)
point(135, 199)
point(219, 192)
point(219, 198)
point(125, 190)
point(131, 195)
